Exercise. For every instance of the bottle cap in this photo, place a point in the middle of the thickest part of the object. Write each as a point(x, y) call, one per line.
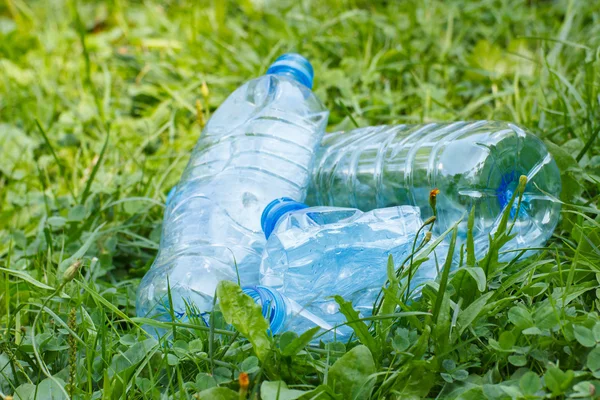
point(295, 66)
point(275, 210)
point(273, 305)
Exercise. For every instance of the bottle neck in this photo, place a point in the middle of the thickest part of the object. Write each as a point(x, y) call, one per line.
point(276, 210)
point(293, 66)
point(274, 307)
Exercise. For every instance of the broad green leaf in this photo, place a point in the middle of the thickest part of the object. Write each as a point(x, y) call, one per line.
point(469, 314)
point(172, 360)
point(460, 375)
point(245, 315)
point(478, 275)
point(278, 390)
point(557, 381)
point(56, 221)
point(359, 327)
point(350, 376)
point(593, 359)
point(286, 339)
point(507, 340)
point(533, 331)
point(196, 346)
point(449, 364)
point(584, 336)
point(77, 213)
point(24, 392)
point(417, 379)
point(520, 317)
point(530, 383)
point(49, 389)
point(205, 381)
point(517, 360)
point(545, 317)
point(447, 377)
point(300, 342)
point(585, 390)
point(218, 393)
point(250, 365)
point(401, 342)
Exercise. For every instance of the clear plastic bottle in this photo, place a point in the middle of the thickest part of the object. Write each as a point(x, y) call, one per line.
point(286, 315)
point(260, 144)
point(473, 164)
point(318, 252)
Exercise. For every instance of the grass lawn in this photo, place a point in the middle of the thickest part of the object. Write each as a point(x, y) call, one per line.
point(101, 103)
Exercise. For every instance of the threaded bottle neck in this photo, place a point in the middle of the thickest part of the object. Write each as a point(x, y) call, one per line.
point(274, 308)
point(275, 210)
point(294, 66)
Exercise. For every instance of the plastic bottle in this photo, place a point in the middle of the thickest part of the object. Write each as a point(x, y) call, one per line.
point(260, 144)
point(473, 164)
point(318, 252)
point(285, 314)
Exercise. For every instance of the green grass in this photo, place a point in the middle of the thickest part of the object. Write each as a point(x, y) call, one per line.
point(101, 103)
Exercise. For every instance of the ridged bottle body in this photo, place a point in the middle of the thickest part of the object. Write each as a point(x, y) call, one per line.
point(318, 252)
point(259, 145)
point(473, 164)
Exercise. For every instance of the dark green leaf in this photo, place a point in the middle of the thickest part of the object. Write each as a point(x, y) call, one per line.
point(351, 374)
point(584, 336)
point(557, 381)
point(593, 359)
point(530, 383)
point(507, 340)
point(520, 317)
point(300, 342)
point(478, 276)
point(359, 327)
point(517, 360)
point(245, 315)
point(469, 314)
point(205, 381)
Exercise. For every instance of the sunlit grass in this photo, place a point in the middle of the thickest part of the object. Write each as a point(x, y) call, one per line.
point(101, 103)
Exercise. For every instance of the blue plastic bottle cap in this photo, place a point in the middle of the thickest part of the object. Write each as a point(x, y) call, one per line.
point(277, 209)
point(273, 306)
point(294, 65)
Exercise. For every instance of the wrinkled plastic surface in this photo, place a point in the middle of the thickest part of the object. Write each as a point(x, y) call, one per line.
point(259, 145)
point(473, 164)
point(318, 252)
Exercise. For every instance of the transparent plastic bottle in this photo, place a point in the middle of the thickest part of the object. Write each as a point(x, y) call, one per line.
point(313, 253)
point(473, 164)
point(260, 144)
point(286, 315)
